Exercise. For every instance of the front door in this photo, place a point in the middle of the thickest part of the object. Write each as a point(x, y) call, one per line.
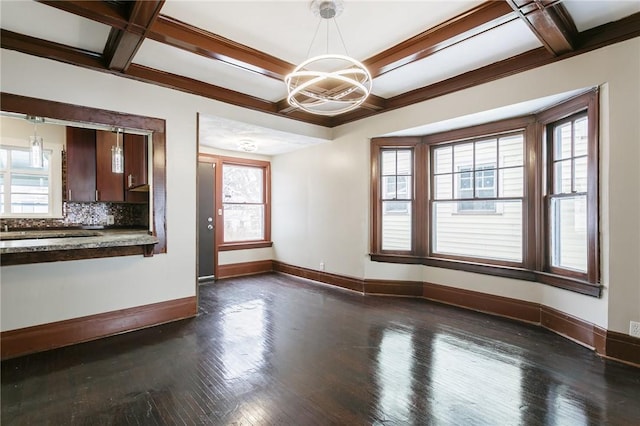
point(206, 221)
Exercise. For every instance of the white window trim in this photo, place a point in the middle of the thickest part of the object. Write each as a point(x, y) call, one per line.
point(55, 180)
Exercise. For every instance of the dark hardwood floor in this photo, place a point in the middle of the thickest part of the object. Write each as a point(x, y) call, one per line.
point(277, 350)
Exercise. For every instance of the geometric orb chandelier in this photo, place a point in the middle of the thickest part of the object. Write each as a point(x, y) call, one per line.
point(328, 84)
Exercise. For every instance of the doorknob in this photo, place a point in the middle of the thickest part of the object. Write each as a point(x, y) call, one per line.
point(209, 226)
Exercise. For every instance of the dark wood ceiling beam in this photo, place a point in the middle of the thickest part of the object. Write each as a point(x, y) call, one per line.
point(465, 26)
point(595, 38)
point(115, 15)
point(195, 40)
point(123, 44)
point(550, 22)
point(95, 61)
point(196, 87)
point(181, 35)
point(50, 50)
point(611, 33)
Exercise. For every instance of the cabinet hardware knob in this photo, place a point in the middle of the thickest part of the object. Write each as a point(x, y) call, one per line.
point(97, 197)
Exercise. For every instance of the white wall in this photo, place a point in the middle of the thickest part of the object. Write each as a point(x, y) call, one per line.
point(42, 293)
point(321, 194)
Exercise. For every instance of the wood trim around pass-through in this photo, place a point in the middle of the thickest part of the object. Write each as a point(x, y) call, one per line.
point(76, 113)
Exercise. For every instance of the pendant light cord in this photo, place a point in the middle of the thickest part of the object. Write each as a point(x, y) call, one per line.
point(344, 46)
point(314, 38)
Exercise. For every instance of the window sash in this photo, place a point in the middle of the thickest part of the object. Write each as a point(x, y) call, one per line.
point(397, 199)
point(567, 231)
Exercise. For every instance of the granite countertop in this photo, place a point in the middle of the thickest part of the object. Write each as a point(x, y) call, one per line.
point(71, 239)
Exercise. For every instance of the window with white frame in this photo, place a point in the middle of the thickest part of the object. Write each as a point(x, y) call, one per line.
point(27, 191)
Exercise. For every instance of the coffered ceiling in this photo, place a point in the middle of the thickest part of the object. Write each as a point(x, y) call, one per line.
point(238, 52)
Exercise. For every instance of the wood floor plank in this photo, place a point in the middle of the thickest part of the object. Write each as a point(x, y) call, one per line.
point(278, 350)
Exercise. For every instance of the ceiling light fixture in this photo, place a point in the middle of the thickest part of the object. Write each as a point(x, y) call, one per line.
point(117, 156)
point(328, 84)
point(36, 144)
point(247, 145)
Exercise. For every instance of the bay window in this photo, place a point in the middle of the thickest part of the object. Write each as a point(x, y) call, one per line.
point(515, 198)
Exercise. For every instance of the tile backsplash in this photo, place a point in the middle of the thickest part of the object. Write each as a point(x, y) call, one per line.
point(87, 214)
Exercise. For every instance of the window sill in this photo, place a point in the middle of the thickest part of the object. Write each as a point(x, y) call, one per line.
point(244, 245)
point(477, 213)
point(566, 283)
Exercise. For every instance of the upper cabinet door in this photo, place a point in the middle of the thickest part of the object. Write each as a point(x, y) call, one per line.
point(81, 164)
point(110, 186)
point(135, 168)
point(135, 160)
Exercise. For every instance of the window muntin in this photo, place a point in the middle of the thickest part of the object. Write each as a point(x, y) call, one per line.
point(470, 177)
point(484, 181)
point(243, 202)
point(567, 201)
point(397, 198)
point(24, 190)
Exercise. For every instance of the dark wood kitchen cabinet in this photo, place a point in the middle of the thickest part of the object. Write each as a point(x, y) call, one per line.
point(81, 164)
point(135, 168)
point(109, 185)
point(89, 176)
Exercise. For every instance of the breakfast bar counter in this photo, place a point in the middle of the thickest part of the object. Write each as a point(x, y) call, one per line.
point(35, 246)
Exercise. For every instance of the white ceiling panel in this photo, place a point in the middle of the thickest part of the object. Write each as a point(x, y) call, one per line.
point(285, 29)
point(476, 52)
point(177, 61)
point(590, 14)
point(511, 111)
point(226, 134)
point(45, 22)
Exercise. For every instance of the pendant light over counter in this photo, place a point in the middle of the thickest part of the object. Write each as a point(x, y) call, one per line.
point(36, 144)
point(117, 156)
